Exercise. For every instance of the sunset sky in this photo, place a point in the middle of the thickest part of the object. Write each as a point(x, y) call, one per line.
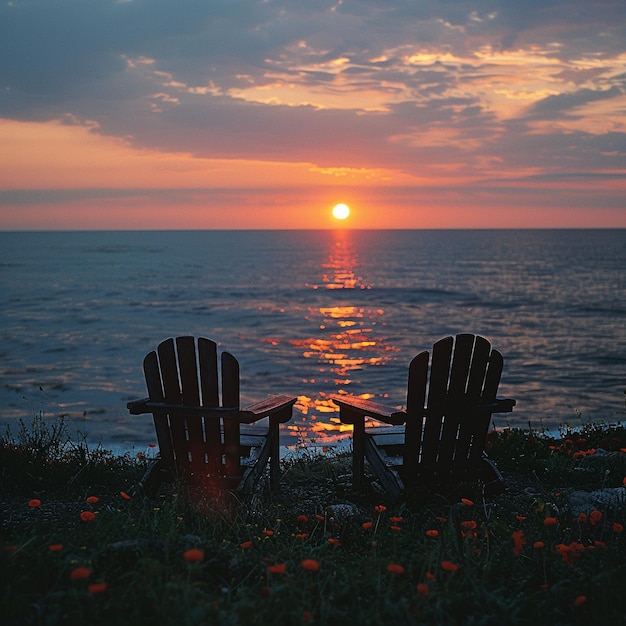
point(163, 114)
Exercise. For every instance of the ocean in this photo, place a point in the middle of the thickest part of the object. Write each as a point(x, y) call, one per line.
point(309, 313)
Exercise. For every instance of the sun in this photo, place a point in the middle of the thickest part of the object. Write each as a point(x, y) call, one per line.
point(341, 211)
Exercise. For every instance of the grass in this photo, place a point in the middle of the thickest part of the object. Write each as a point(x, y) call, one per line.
point(316, 552)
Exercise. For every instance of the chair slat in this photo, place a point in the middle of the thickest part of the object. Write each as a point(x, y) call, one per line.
point(459, 371)
point(230, 380)
point(416, 399)
point(230, 396)
point(480, 360)
point(152, 374)
point(209, 388)
point(172, 394)
point(492, 377)
point(196, 447)
point(188, 368)
point(169, 372)
point(437, 393)
point(439, 373)
point(207, 359)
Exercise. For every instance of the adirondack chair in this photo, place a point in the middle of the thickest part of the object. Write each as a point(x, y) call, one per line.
point(439, 438)
point(213, 446)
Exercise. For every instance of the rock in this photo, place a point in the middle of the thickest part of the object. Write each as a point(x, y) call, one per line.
point(600, 499)
point(342, 512)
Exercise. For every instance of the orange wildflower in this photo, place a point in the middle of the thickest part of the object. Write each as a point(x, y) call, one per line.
point(595, 517)
point(380, 508)
point(520, 518)
point(469, 524)
point(449, 566)
point(267, 532)
point(396, 519)
point(193, 555)
point(394, 568)
point(245, 545)
point(550, 521)
point(87, 516)
point(422, 589)
point(34, 503)
point(569, 553)
point(539, 545)
point(124, 495)
point(92, 499)
point(55, 547)
point(311, 565)
point(430, 577)
point(617, 527)
point(624, 481)
point(367, 525)
point(302, 519)
point(467, 502)
point(518, 541)
point(395, 528)
point(442, 520)
point(319, 518)
point(97, 587)
point(432, 533)
point(152, 445)
point(278, 568)
point(580, 600)
point(80, 573)
point(334, 542)
point(302, 536)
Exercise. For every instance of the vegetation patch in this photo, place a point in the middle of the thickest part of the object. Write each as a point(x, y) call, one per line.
point(79, 546)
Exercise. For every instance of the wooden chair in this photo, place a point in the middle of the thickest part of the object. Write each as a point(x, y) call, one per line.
point(213, 446)
point(439, 438)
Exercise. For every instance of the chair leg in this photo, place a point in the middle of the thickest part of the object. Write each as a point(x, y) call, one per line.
point(274, 446)
point(157, 473)
point(493, 481)
point(358, 451)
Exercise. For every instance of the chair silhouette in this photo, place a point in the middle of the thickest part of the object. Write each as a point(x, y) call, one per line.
point(439, 439)
point(211, 444)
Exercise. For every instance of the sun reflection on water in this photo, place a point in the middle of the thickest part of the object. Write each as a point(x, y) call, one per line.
point(347, 343)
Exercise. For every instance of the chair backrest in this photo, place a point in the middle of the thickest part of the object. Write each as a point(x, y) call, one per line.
point(446, 427)
point(185, 372)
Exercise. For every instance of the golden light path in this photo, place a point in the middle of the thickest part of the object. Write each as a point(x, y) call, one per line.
point(348, 341)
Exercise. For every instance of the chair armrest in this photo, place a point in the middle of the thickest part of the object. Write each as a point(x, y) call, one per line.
point(247, 415)
point(367, 408)
point(137, 407)
point(375, 410)
point(268, 407)
point(499, 406)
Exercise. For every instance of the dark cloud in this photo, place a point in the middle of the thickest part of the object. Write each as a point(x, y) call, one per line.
point(191, 76)
point(563, 105)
